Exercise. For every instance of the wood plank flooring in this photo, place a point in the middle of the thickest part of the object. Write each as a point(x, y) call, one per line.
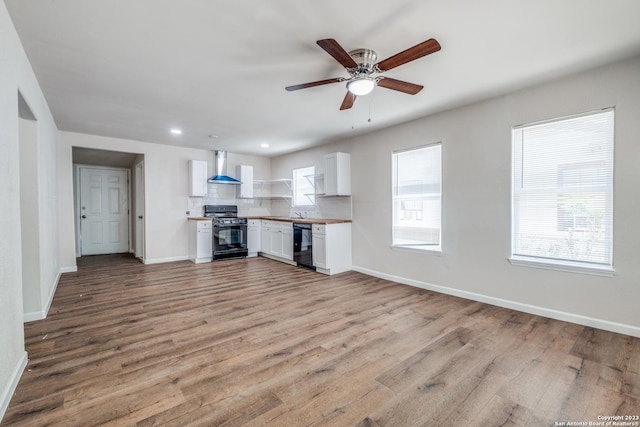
point(259, 343)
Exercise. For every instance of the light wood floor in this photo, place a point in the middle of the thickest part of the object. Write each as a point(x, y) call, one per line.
point(256, 342)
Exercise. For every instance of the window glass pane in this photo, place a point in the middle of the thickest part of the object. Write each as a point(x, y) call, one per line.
point(303, 189)
point(563, 189)
point(416, 197)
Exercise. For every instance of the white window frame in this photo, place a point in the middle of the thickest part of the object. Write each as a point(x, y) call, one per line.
point(302, 187)
point(555, 263)
point(424, 248)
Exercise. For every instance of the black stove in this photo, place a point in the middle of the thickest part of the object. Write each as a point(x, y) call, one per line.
point(223, 214)
point(229, 232)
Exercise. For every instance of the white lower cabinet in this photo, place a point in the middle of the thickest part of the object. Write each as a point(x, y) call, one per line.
point(331, 247)
point(331, 244)
point(275, 236)
point(319, 245)
point(265, 237)
point(253, 237)
point(287, 243)
point(277, 239)
point(200, 240)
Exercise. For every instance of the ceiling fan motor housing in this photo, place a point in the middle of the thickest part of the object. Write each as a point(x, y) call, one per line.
point(366, 59)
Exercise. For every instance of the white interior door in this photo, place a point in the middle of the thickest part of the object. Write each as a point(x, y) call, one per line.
point(139, 189)
point(104, 211)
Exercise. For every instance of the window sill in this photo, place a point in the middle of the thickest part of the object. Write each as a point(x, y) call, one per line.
point(427, 250)
point(566, 266)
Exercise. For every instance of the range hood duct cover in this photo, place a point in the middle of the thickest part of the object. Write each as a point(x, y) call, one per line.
point(221, 176)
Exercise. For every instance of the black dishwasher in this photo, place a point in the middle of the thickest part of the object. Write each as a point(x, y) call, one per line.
point(302, 248)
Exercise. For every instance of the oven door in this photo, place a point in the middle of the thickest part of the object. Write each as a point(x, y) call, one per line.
point(229, 240)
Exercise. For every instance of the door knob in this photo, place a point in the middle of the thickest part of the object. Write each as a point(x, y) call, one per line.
point(84, 216)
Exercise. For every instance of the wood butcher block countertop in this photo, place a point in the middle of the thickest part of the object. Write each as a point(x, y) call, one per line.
point(279, 218)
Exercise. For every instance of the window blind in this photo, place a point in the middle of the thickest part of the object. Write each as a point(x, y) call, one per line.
point(417, 197)
point(562, 202)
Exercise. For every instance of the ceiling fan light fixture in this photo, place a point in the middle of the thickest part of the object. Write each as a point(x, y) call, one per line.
point(361, 86)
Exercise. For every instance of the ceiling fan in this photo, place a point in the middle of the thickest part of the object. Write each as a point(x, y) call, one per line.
point(361, 65)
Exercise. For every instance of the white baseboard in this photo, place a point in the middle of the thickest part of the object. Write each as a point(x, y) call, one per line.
point(32, 316)
point(162, 260)
point(514, 305)
point(42, 314)
point(7, 392)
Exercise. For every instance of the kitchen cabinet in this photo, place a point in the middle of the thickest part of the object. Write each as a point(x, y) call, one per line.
point(277, 239)
point(197, 178)
point(265, 237)
point(200, 240)
point(287, 242)
point(331, 247)
point(331, 244)
point(253, 237)
point(319, 245)
point(245, 174)
point(337, 174)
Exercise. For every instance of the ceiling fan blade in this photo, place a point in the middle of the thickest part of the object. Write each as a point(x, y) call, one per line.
point(418, 51)
point(348, 101)
point(399, 85)
point(334, 49)
point(312, 84)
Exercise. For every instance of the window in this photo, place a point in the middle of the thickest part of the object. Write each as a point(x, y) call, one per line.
point(416, 198)
point(303, 190)
point(562, 201)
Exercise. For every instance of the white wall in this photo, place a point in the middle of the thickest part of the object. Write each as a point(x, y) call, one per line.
point(261, 170)
point(327, 207)
point(66, 213)
point(476, 150)
point(29, 216)
point(166, 185)
point(166, 191)
point(16, 75)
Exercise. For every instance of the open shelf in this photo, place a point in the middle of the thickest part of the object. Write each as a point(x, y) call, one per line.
point(272, 181)
point(261, 183)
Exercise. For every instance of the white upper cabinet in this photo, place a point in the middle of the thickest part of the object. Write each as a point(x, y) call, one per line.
point(337, 174)
point(197, 178)
point(245, 174)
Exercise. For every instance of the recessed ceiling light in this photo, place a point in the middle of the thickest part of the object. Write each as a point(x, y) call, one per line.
point(264, 145)
point(176, 131)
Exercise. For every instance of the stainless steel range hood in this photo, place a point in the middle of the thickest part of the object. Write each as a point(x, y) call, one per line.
point(221, 176)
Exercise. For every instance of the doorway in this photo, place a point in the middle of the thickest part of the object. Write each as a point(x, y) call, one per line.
point(95, 158)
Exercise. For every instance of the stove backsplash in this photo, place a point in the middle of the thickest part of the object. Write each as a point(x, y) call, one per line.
point(326, 207)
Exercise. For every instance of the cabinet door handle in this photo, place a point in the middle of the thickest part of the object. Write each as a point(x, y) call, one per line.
point(84, 217)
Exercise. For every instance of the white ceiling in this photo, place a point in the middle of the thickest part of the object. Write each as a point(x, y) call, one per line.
point(136, 68)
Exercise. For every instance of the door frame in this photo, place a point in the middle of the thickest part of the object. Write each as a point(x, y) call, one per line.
point(77, 210)
point(139, 210)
